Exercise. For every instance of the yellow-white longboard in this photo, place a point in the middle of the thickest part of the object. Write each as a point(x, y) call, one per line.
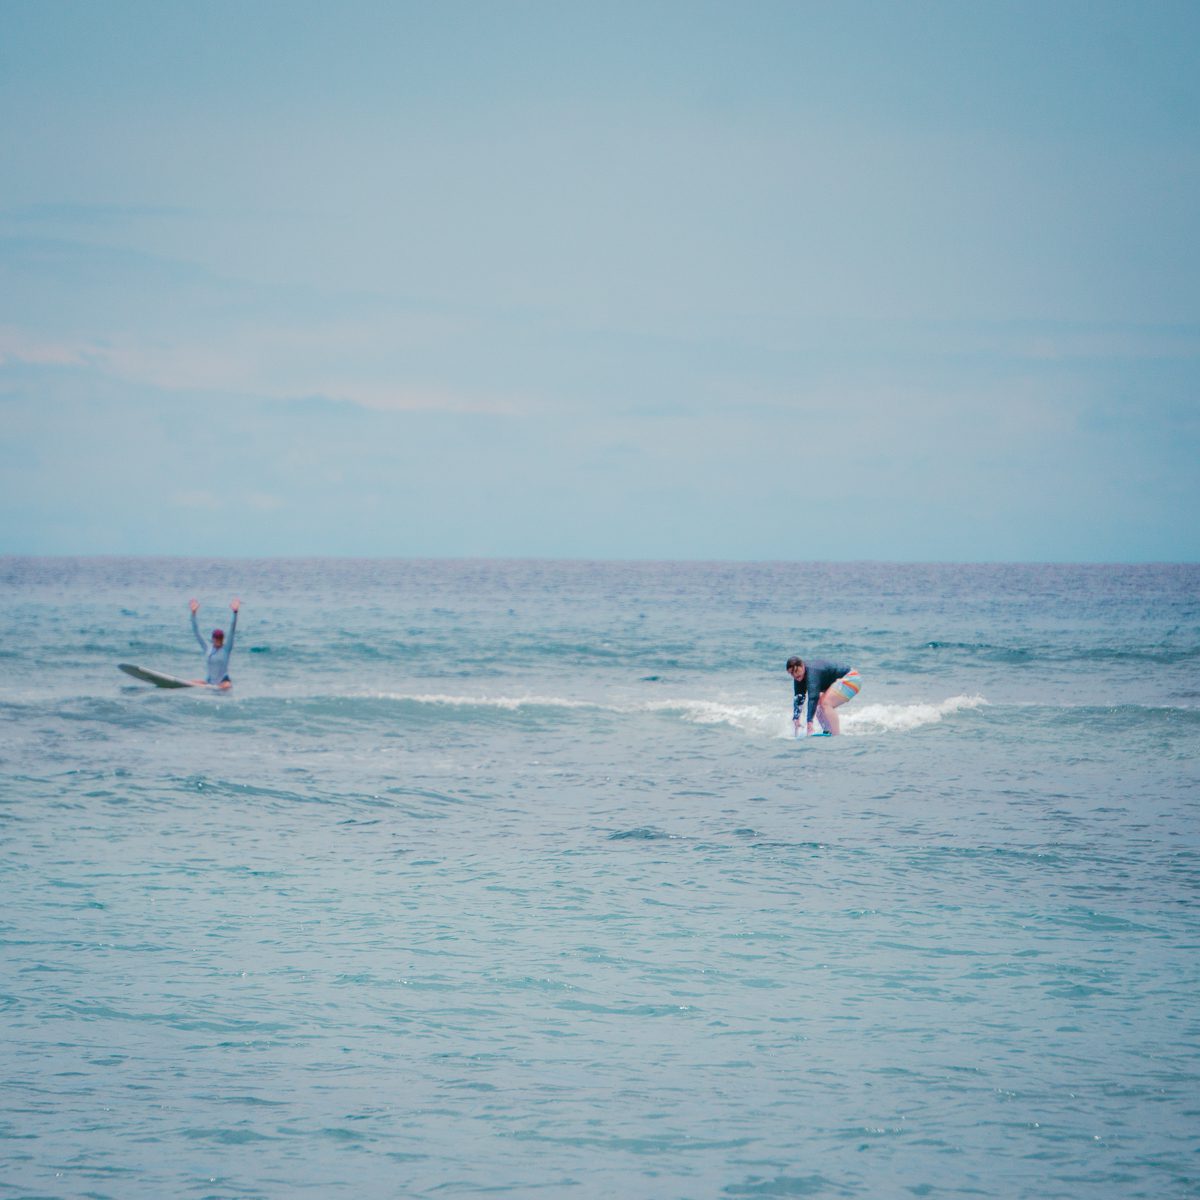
point(157, 677)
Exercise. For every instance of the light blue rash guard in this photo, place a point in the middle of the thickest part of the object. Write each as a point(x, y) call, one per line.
point(216, 658)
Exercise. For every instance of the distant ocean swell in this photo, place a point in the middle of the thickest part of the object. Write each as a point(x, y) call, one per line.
point(397, 713)
point(301, 712)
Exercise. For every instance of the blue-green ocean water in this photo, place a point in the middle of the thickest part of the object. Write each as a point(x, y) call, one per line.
point(507, 878)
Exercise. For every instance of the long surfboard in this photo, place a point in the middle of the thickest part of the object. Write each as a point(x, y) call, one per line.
point(157, 677)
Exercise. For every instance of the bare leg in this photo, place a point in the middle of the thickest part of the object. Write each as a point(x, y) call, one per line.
point(826, 710)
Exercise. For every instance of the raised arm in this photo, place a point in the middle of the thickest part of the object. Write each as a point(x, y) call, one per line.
point(194, 605)
point(235, 605)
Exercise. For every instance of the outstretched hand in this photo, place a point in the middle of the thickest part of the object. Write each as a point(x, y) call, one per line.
point(235, 604)
point(194, 605)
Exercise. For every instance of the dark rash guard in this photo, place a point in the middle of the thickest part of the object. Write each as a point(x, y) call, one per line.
point(818, 675)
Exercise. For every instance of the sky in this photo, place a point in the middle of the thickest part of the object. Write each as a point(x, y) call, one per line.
point(745, 280)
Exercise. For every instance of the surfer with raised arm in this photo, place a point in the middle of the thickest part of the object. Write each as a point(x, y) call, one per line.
point(826, 686)
point(216, 653)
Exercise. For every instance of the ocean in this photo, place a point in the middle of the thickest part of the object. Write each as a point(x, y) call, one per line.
point(508, 878)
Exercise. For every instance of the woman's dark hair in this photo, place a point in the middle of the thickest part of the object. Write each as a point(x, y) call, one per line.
point(794, 661)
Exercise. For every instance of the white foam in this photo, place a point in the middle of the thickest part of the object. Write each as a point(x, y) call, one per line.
point(757, 718)
point(508, 703)
point(763, 720)
point(768, 720)
point(899, 718)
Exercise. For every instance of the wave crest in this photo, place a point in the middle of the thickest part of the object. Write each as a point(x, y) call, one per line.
point(865, 720)
point(899, 718)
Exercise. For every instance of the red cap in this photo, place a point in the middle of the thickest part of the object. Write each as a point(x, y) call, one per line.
point(218, 635)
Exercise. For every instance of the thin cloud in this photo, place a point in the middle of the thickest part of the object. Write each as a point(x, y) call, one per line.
point(19, 347)
point(222, 366)
point(90, 214)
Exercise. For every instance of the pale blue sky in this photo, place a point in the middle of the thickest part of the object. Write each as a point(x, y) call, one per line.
point(737, 280)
